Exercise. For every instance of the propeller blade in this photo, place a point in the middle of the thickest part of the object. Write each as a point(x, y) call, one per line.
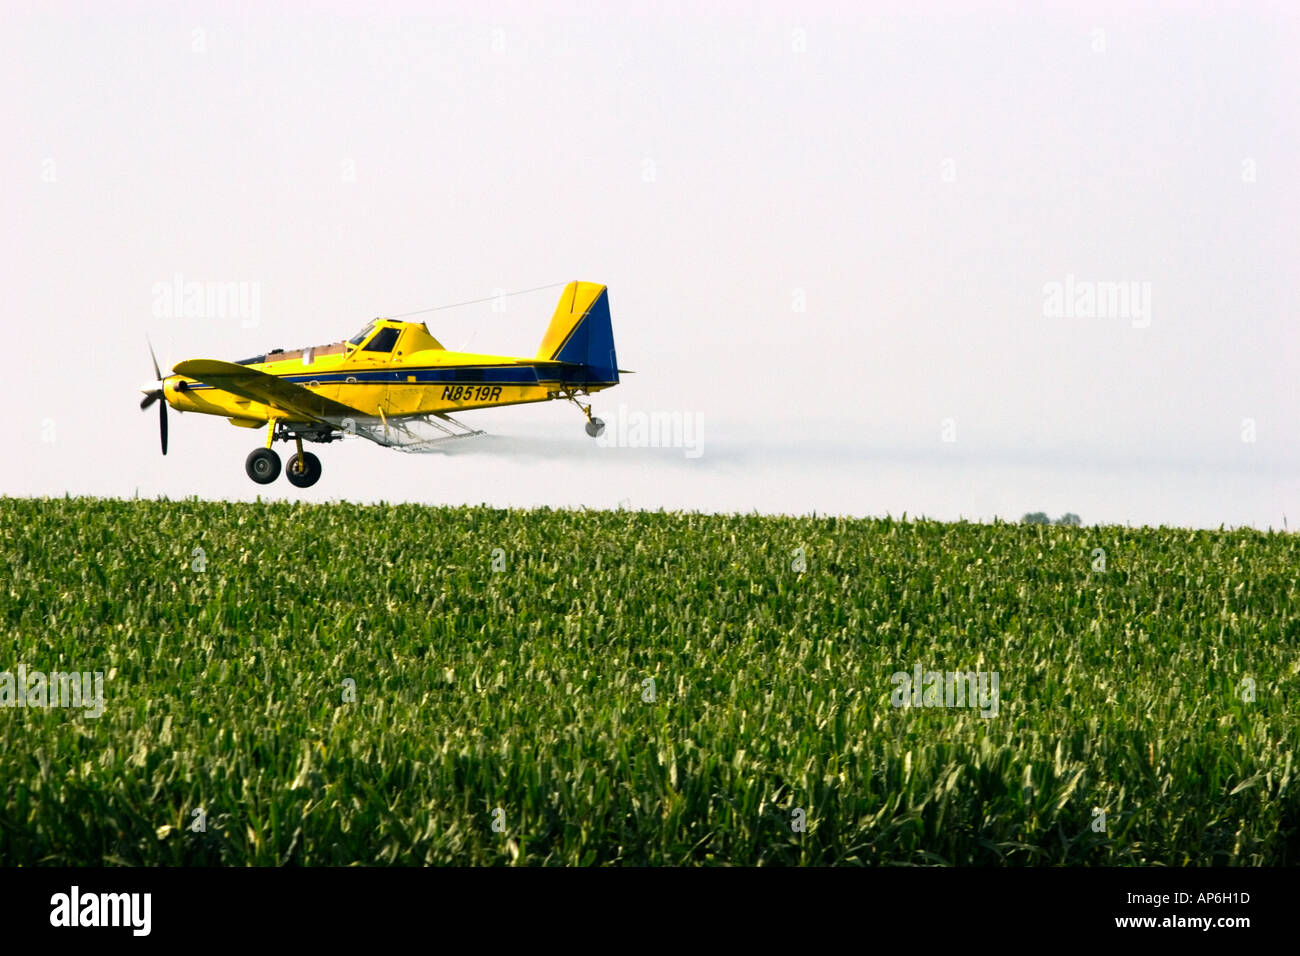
point(156, 373)
point(153, 396)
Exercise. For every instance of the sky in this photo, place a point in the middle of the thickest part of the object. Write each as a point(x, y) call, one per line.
point(956, 260)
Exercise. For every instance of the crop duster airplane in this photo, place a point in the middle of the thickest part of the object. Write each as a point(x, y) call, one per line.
point(392, 383)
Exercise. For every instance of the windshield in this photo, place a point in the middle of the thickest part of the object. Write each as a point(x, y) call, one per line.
point(383, 341)
point(361, 336)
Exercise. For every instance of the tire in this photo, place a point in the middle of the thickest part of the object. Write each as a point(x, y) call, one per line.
point(595, 428)
point(310, 473)
point(262, 465)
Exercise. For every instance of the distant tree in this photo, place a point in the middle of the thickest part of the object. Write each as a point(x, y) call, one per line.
point(1069, 520)
point(1036, 518)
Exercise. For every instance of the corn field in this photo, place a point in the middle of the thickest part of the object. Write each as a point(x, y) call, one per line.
point(292, 684)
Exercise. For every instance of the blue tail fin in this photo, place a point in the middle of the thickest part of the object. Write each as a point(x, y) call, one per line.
point(582, 335)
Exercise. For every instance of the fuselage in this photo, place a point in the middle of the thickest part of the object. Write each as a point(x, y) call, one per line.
point(390, 368)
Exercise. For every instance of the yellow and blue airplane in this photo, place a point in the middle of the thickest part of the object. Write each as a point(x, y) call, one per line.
point(392, 383)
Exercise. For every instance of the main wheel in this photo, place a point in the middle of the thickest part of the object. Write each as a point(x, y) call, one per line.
point(304, 473)
point(262, 465)
point(595, 428)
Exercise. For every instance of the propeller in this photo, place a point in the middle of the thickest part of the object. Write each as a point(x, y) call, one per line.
point(154, 391)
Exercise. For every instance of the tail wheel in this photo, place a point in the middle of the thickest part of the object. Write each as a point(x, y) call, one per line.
point(595, 428)
point(303, 470)
point(262, 465)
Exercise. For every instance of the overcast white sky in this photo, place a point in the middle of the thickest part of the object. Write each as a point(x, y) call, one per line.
point(829, 236)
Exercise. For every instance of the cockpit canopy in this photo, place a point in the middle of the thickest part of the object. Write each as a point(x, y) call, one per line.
point(382, 341)
point(382, 336)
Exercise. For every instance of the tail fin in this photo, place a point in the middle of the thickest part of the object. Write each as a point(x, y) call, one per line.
point(581, 334)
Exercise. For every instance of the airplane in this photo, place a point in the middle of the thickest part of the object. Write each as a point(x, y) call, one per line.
point(392, 383)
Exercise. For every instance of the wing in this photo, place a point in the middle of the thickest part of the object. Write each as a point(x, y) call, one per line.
point(300, 403)
point(407, 433)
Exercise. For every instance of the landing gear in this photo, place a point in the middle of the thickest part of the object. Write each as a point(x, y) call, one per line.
point(263, 466)
point(595, 427)
point(303, 470)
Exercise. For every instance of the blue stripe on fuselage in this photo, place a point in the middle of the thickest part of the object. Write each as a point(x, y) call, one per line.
point(484, 375)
